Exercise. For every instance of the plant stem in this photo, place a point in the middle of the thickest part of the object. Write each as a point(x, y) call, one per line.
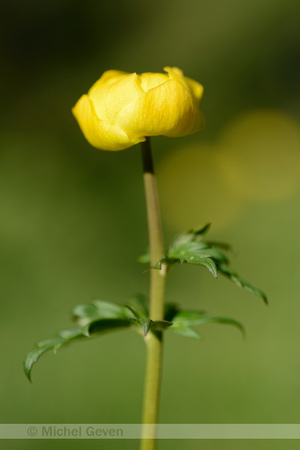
point(156, 312)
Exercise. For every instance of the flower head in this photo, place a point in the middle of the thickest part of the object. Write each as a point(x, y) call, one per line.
point(121, 109)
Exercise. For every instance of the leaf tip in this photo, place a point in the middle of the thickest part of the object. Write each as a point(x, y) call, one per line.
point(145, 325)
point(132, 311)
point(27, 371)
point(86, 330)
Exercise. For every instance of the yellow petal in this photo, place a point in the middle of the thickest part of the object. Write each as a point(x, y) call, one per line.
point(193, 86)
point(99, 133)
point(115, 93)
point(196, 89)
point(168, 109)
point(110, 75)
point(151, 80)
point(175, 71)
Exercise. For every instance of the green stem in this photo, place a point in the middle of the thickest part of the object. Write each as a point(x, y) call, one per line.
point(157, 294)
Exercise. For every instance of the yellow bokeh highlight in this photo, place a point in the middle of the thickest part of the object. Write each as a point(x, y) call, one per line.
point(257, 158)
point(260, 155)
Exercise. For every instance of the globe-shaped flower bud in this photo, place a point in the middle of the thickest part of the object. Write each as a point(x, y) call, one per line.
point(122, 109)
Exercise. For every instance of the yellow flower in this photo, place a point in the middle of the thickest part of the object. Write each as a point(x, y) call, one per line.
point(121, 109)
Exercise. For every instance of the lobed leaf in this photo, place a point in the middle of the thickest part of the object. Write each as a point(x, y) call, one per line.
point(222, 320)
point(66, 336)
point(206, 262)
point(184, 320)
point(202, 230)
point(98, 309)
point(185, 330)
point(160, 325)
point(233, 276)
point(188, 317)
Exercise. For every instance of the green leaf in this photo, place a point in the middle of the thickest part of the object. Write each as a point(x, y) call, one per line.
point(160, 325)
point(188, 317)
point(66, 336)
point(189, 236)
point(233, 276)
point(222, 320)
point(145, 325)
point(86, 311)
point(44, 346)
point(185, 249)
point(222, 245)
point(183, 320)
point(143, 321)
point(195, 253)
point(110, 310)
point(182, 239)
point(104, 325)
point(32, 358)
point(185, 330)
point(202, 230)
point(206, 262)
point(196, 250)
point(135, 313)
point(171, 310)
point(51, 343)
point(139, 303)
point(145, 258)
point(99, 309)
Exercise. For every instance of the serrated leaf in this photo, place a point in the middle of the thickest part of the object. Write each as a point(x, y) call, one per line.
point(196, 250)
point(222, 320)
point(182, 239)
point(182, 323)
point(99, 309)
point(66, 336)
point(202, 230)
point(233, 276)
point(208, 263)
point(222, 245)
point(44, 346)
point(188, 317)
point(186, 249)
point(71, 333)
point(160, 325)
point(110, 310)
point(135, 313)
point(104, 325)
point(185, 330)
point(51, 343)
point(87, 311)
point(195, 253)
point(212, 252)
point(32, 358)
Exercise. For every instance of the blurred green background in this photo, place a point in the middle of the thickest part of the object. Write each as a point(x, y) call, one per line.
point(73, 218)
